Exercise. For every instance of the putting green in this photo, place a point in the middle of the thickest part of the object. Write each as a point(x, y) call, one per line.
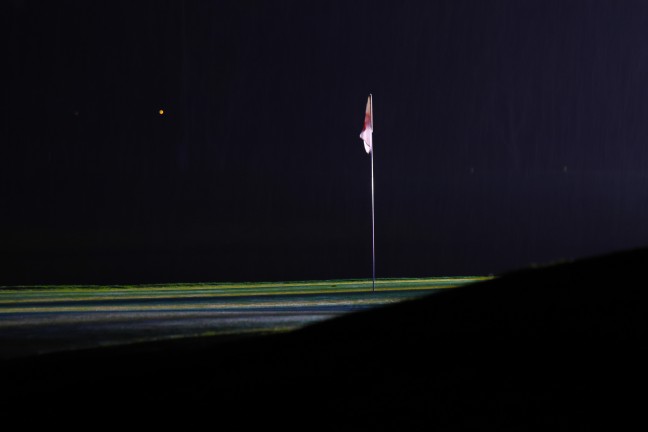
point(15, 295)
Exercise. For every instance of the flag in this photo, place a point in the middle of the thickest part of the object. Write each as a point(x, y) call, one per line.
point(367, 130)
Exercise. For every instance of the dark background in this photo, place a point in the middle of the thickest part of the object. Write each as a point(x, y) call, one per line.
point(507, 133)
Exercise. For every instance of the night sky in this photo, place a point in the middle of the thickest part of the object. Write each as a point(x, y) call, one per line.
point(507, 133)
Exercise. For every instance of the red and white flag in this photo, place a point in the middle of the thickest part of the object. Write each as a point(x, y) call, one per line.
point(367, 130)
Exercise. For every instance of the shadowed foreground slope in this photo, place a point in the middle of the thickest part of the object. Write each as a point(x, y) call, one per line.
point(554, 348)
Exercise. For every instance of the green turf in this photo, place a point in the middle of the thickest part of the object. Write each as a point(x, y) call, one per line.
point(40, 319)
point(52, 292)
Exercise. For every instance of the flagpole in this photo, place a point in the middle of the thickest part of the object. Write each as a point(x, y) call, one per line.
point(373, 231)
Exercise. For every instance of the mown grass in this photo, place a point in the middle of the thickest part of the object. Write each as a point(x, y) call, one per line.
point(383, 282)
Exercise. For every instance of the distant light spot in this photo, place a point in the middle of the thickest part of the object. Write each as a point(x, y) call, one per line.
point(161, 112)
point(565, 168)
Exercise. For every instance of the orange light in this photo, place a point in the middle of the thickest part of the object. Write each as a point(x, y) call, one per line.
point(161, 111)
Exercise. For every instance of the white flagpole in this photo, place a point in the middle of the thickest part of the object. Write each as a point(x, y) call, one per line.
point(373, 232)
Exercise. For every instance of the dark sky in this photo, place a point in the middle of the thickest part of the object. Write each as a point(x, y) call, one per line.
point(507, 133)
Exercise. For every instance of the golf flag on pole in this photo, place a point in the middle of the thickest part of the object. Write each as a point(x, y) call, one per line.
point(366, 136)
point(367, 130)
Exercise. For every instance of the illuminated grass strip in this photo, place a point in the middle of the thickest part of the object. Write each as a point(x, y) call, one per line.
point(249, 286)
point(208, 294)
point(12, 296)
point(193, 306)
point(46, 319)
